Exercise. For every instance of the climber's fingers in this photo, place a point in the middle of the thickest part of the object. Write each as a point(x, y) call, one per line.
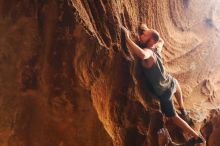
point(168, 134)
point(160, 131)
point(163, 139)
point(122, 27)
point(125, 29)
point(164, 132)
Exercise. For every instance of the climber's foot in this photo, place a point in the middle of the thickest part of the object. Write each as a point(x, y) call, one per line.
point(198, 140)
point(185, 116)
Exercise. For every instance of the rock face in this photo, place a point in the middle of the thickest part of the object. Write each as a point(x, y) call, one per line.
point(66, 80)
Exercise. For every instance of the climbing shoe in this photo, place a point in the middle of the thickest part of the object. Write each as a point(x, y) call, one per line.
point(198, 140)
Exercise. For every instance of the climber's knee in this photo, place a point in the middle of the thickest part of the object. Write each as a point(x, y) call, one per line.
point(169, 110)
point(174, 117)
point(171, 116)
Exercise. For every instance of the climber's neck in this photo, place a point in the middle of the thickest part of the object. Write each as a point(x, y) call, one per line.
point(151, 47)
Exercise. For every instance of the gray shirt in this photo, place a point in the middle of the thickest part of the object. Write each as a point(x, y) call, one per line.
point(159, 79)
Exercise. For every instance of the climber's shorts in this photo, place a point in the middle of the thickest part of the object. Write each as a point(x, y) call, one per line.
point(166, 101)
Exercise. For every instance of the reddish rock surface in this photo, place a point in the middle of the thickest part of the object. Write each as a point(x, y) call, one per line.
point(66, 80)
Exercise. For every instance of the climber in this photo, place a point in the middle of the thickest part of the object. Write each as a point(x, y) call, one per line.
point(165, 86)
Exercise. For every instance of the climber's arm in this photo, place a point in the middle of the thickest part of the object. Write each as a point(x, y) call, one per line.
point(142, 54)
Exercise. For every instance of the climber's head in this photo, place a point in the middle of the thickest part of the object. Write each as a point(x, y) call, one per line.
point(144, 33)
point(154, 38)
point(148, 36)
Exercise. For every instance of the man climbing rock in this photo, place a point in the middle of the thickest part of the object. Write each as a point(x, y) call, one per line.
point(164, 85)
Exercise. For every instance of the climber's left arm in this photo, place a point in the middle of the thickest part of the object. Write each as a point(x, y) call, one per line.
point(159, 45)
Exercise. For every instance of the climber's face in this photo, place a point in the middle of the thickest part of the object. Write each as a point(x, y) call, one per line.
point(150, 42)
point(145, 36)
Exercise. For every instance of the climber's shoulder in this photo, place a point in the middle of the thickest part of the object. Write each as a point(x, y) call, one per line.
point(151, 60)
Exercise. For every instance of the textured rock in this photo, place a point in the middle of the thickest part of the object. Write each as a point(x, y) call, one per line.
point(66, 80)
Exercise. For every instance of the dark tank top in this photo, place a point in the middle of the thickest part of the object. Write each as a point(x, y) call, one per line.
point(156, 75)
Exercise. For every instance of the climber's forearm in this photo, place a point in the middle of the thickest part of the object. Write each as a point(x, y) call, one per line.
point(132, 51)
point(160, 42)
point(142, 54)
point(135, 49)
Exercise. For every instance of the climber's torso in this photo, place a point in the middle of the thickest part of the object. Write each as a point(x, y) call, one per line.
point(147, 62)
point(156, 74)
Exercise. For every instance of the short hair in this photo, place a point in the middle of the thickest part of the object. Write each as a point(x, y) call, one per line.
point(155, 35)
point(142, 27)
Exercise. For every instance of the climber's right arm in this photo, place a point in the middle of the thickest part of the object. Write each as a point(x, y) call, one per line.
point(159, 45)
point(141, 53)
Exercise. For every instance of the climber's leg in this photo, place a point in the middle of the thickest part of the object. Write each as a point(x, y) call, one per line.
point(183, 125)
point(168, 108)
point(179, 96)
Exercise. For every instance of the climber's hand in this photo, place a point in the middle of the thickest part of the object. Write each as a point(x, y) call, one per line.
point(127, 32)
point(163, 137)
